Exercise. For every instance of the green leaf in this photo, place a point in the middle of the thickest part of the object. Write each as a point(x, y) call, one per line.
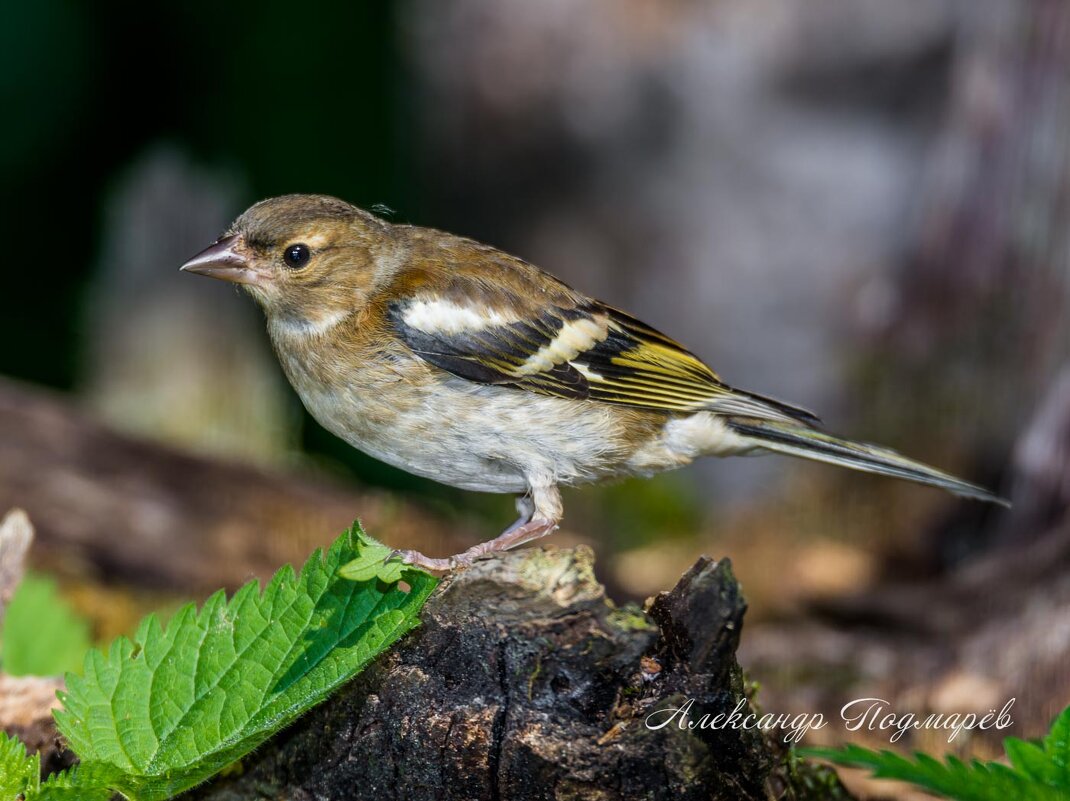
point(20, 777)
point(43, 635)
point(1057, 746)
point(373, 561)
point(84, 782)
point(1032, 761)
point(19, 774)
point(974, 781)
point(170, 708)
point(1038, 771)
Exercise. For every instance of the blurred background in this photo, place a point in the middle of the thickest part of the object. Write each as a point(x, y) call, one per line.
point(858, 206)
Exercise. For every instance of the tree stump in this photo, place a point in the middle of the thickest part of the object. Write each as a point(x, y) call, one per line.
point(525, 682)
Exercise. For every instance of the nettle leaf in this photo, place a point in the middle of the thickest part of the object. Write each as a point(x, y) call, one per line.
point(1031, 760)
point(1057, 747)
point(19, 774)
point(42, 635)
point(165, 711)
point(86, 782)
point(374, 560)
point(1038, 772)
point(20, 777)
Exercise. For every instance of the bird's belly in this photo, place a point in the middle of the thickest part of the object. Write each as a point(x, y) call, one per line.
point(473, 436)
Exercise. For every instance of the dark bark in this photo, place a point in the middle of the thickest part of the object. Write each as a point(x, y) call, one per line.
point(525, 682)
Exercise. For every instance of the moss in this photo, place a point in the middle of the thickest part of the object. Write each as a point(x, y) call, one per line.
point(812, 782)
point(629, 618)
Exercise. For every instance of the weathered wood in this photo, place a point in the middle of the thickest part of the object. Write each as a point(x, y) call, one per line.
point(26, 704)
point(16, 535)
point(525, 682)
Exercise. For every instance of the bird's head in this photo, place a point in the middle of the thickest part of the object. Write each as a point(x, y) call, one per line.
point(305, 258)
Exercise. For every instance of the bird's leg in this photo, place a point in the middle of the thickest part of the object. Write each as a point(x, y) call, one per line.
point(527, 532)
point(540, 512)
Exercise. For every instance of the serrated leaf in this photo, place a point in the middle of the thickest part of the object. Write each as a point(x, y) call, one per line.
point(171, 707)
point(19, 774)
point(974, 781)
point(42, 635)
point(84, 782)
point(20, 777)
point(1057, 747)
point(1032, 760)
point(374, 561)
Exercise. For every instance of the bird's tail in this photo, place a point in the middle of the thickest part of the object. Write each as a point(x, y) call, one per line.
point(798, 440)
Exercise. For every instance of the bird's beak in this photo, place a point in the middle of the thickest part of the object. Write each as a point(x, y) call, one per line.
point(223, 259)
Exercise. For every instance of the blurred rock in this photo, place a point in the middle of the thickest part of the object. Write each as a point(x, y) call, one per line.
point(173, 357)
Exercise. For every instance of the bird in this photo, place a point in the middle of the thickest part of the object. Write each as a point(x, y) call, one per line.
point(456, 361)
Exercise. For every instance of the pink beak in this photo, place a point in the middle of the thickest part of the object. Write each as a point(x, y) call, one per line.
point(223, 260)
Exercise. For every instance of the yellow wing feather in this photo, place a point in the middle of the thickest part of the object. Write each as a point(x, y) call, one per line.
point(587, 351)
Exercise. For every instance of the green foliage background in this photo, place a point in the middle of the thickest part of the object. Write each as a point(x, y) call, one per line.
point(1038, 771)
point(42, 635)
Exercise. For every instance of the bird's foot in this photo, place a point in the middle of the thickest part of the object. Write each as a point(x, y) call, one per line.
point(510, 539)
point(417, 559)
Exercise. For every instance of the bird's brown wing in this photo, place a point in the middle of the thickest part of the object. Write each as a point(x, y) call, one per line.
point(548, 339)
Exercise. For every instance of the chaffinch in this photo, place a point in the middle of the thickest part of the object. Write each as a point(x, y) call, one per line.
point(455, 361)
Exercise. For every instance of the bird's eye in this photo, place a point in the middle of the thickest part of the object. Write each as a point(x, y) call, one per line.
point(297, 255)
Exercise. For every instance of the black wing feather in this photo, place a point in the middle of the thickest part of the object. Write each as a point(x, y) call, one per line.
point(631, 364)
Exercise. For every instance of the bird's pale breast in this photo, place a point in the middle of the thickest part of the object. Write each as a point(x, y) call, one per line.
point(474, 436)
